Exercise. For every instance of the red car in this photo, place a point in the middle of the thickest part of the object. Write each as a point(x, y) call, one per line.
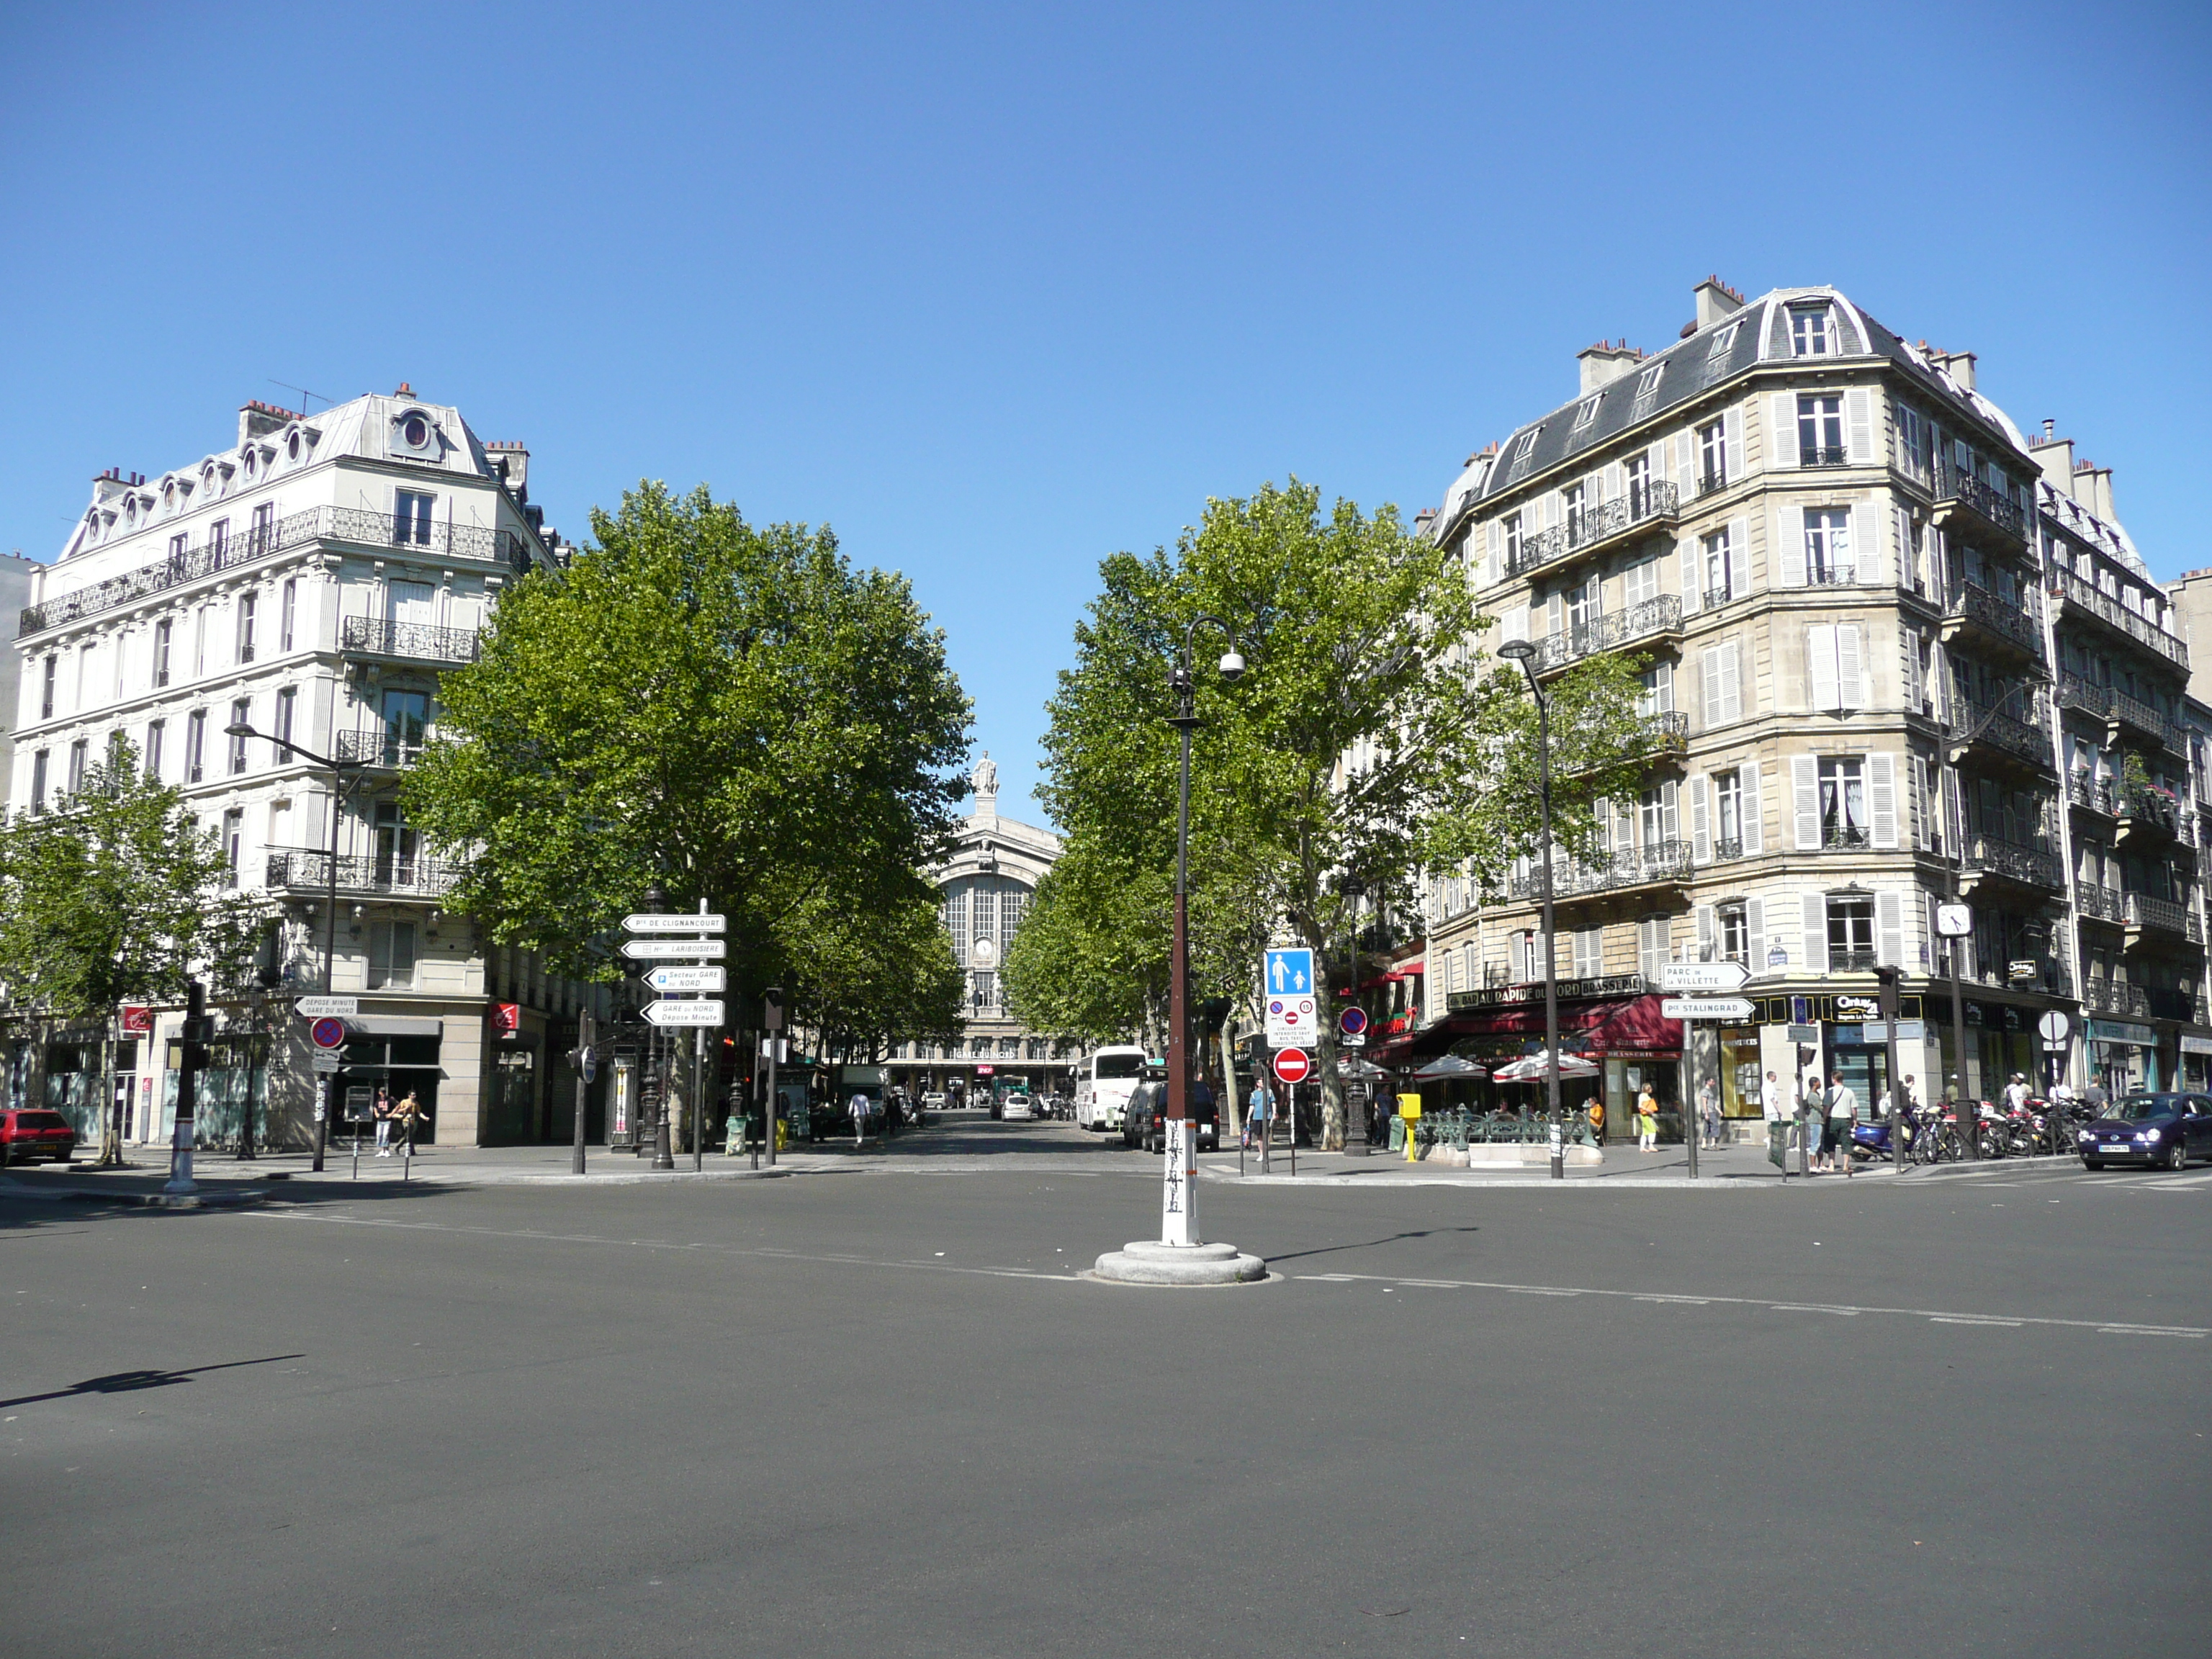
point(26, 1136)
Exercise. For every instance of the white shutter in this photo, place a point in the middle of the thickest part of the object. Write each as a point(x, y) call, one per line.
point(1601, 810)
point(1701, 837)
point(1517, 622)
point(1670, 818)
point(1754, 932)
point(1908, 640)
point(1686, 465)
point(1611, 478)
point(1497, 551)
point(1782, 451)
point(1850, 669)
point(1693, 575)
point(1917, 801)
point(1740, 557)
point(1555, 618)
point(1732, 429)
point(1710, 661)
point(1865, 531)
point(1805, 787)
point(1705, 932)
point(1889, 929)
point(1820, 667)
point(1662, 690)
point(1731, 682)
point(1789, 560)
point(1858, 425)
point(1753, 813)
point(1814, 922)
point(1589, 952)
point(1882, 798)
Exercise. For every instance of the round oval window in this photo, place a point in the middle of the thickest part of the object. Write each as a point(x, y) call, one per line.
point(414, 432)
point(292, 445)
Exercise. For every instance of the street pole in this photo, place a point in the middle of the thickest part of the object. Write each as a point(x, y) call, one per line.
point(772, 1019)
point(1522, 652)
point(1355, 1145)
point(1890, 979)
point(1969, 1115)
point(587, 1055)
point(664, 1155)
point(193, 1056)
point(699, 1083)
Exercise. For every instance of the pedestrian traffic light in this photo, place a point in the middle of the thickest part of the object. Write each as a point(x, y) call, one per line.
point(1212, 1014)
point(772, 1008)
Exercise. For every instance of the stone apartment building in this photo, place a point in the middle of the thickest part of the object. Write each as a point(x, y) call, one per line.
point(313, 579)
point(1832, 550)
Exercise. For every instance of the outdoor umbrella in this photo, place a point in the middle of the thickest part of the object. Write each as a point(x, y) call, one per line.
point(1529, 1067)
point(1449, 1066)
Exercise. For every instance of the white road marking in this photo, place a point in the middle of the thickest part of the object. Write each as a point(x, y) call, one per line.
point(1810, 1307)
point(1966, 1319)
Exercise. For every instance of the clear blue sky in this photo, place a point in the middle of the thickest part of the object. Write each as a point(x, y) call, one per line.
point(997, 291)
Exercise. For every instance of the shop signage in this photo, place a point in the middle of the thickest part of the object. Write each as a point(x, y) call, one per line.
point(674, 950)
point(701, 1011)
point(1804, 1034)
point(2020, 972)
point(1701, 976)
point(1736, 1008)
point(323, 1007)
point(138, 1019)
point(1912, 1030)
point(1292, 1066)
point(675, 922)
point(2122, 1030)
point(1857, 1007)
point(2196, 1045)
point(507, 1016)
point(1873, 1033)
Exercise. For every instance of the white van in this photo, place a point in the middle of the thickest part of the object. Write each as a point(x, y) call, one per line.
point(1103, 1086)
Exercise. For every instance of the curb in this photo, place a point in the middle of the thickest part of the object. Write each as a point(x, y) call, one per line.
point(217, 1201)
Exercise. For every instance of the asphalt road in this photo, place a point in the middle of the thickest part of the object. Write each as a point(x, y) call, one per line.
point(878, 1414)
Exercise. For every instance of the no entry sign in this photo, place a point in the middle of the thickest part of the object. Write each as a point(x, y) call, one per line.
point(1292, 1066)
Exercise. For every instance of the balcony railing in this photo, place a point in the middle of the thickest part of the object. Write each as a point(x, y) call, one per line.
point(1727, 847)
point(2107, 996)
point(2026, 740)
point(418, 640)
point(323, 524)
point(1844, 837)
point(1999, 511)
point(2121, 709)
point(1711, 483)
point(2084, 596)
point(1662, 615)
point(1654, 501)
point(2148, 806)
point(1831, 575)
point(300, 869)
point(1667, 861)
point(1850, 962)
point(2161, 916)
point(2096, 793)
point(2031, 866)
point(375, 749)
point(1494, 996)
point(2099, 904)
point(2020, 624)
point(1823, 455)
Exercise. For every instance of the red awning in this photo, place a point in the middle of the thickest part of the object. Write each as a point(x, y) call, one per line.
point(1612, 1025)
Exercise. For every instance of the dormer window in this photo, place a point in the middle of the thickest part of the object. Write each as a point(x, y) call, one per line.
point(292, 447)
point(1810, 335)
point(1586, 413)
point(1648, 382)
point(414, 433)
point(1722, 341)
point(249, 464)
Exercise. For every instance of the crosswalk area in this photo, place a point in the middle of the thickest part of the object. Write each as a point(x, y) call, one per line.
point(2060, 1172)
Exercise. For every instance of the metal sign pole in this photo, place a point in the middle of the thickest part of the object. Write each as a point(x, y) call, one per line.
point(1692, 1120)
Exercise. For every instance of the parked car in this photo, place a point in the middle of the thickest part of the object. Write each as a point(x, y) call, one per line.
point(2159, 1129)
point(1144, 1123)
point(27, 1136)
point(1018, 1108)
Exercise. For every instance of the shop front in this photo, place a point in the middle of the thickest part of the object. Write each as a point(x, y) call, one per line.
point(2123, 1056)
point(2195, 1056)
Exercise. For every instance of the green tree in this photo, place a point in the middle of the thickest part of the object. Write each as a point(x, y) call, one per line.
point(866, 979)
point(116, 895)
point(735, 712)
point(1371, 737)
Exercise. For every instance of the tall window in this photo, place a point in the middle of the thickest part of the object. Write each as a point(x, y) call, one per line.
point(200, 642)
point(410, 523)
point(38, 782)
point(1658, 696)
point(233, 836)
point(288, 701)
point(1638, 470)
point(76, 758)
point(218, 541)
point(47, 676)
point(177, 545)
point(1828, 545)
point(1810, 334)
point(194, 745)
point(987, 990)
point(406, 722)
point(162, 630)
point(1572, 501)
point(396, 846)
point(1512, 541)
point(157, 732)
point(1715, 552)
point(1850, 933)
point(290, 614)
point(1728, 815)
point(391, 955)
point(1913, 440)
point(265, 526)
point(248, 604)
point(1734, 930)
point(84, 680)
point(1843, 801)
point(1712, 455)
point(240, 712)
point(1821, 431)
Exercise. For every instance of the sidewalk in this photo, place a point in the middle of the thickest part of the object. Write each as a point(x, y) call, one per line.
point(1731, 1169)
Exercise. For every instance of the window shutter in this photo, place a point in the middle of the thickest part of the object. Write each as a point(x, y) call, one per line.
point(1663, 692)
point(1701, 837)
point(1555, 618)
point(1889, 929)
point(1705, 932)
point(1589, 952)
point(1805, 786)
point(1851, 688)
point(1732, 429)
point(1551, 508)
point(1908, 643)
point(1497, 551)
point(1865, 532)
point(1731, 682)
point(1611, 478)
point(1686, 465)
point(1784, 405)
point(1754, 932)
point(1602, 809)
point(1753, 815)
point(1916, 803)
point(1814, 918)
point(1709, 660)
point(1693, 576)
point(1517, 622)
point(1789, 549)
point(1820, 667)
point(1858, 425)
point(1881, 797)
point(1670, 819)
point(1740, 557)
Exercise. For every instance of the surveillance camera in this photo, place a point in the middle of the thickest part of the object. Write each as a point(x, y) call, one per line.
point(1232, 665)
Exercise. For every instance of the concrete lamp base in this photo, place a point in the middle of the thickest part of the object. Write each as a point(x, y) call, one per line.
point(1149, 1262)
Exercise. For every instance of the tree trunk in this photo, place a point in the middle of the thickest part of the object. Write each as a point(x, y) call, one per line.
point(111, 1126)
point(1332, 1086)
point(1234, 1102)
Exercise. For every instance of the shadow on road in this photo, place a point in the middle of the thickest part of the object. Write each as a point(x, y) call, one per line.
point(129, 1382)
point(1369, 1244)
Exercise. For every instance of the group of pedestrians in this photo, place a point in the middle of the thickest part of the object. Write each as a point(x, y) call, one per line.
point(1826, 1116)
point(402, 1112)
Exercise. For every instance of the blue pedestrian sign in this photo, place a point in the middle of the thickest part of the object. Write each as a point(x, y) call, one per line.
point(1289, 973)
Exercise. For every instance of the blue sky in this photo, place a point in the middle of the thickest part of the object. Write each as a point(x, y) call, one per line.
point(996, 291)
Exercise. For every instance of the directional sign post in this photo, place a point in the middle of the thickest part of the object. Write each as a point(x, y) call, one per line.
point(675, 921)
point(327, 1007)
point(1736, 1008)
point(674, 950)
point(689, 979)
point(704, 1011)
point(1702, 976)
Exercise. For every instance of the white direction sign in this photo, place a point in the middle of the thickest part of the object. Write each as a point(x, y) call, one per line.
point(1705, 1008)
point(327, 1007)
point(673, 949)
point(322, 1062)
point(675, 922)
point(688, 979)
point(707, 1011)
point(1702, 976)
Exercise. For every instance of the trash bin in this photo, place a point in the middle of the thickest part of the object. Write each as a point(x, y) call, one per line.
point(1777, 1146)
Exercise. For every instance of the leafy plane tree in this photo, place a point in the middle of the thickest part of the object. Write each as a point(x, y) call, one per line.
point(1370, 738)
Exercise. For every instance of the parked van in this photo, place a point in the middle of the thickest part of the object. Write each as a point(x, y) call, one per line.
point(1107, 1079)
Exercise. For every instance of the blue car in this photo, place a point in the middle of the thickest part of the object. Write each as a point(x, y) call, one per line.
point(2162, 1130)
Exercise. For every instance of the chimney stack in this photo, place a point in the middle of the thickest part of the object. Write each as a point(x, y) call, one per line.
point(1716, 300)
point(1606, 362)
point(1959, 364)
point(2093, 488)
point(2055, 455)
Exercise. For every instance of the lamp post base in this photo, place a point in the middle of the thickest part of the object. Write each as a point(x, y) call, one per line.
point(1147, 1261)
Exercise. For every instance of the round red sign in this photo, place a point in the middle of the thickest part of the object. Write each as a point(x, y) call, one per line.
point(1292, 1066)
point(328, 1033)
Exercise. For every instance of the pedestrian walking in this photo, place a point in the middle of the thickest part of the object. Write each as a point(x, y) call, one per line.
point(1843, 1112)
point(858, 1106)
point(405, 1113)
point(1256, 1120)
point(1709, 1114)
point(1774, 1100)
point(1812, 1107)
point(1647, 1120)
point(383, 1112)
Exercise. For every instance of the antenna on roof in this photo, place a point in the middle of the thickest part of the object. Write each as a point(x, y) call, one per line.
point(301, 390)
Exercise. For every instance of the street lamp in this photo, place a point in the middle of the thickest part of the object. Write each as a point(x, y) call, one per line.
point(1523, 652)
point(338, 769)
point(1179, 1257)
point(1352, 890)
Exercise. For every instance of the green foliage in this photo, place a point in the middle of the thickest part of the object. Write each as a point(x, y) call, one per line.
point(867, 978)
point(116, 895)
point(737, 712)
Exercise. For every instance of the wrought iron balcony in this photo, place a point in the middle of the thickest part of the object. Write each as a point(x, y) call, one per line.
point(345, 524)
point(1717, 597)
point(2084, 597)
point(1974, 727)
point(2107, 996)
point(1850, 962)
point(1584, 989)
point(1654, 504)
point(2146, 814)
point(2098, 903)
point(2125, 714)
point(1959, 493)
point(306, 870)
point(1989, 856)
point(1844, 837)
point(1833, 575)
point(376, 748)
point(1646, 619)
point(2096, 793)
point(2158, 915)
point(1823, 455)
point(1711, 483)
point(1662, 864)
point(417, 641)
point(2011, 628)
point(1726, 847)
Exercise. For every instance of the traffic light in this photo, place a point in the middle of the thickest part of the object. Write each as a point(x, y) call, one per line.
point(1212, 1014)
point(585, 1056)
point(772, 1008)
